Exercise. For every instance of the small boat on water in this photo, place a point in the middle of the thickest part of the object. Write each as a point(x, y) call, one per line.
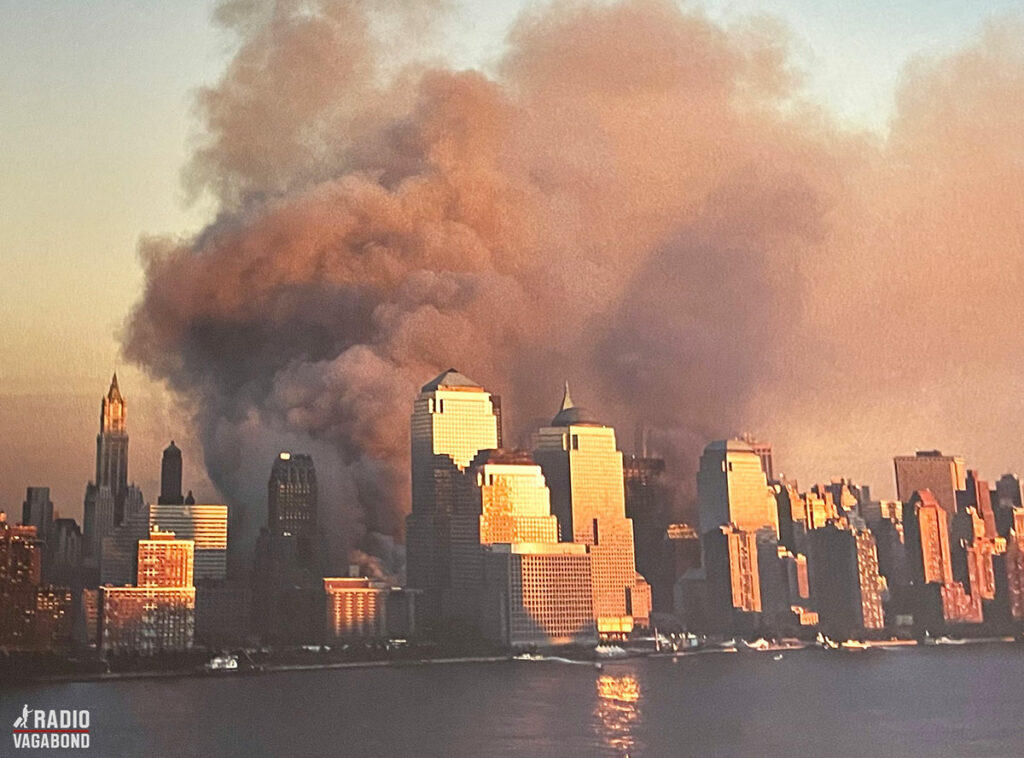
point(610, 651)
point(943, 641)
point(854, 645)
point(826, 643)
point(222, 663)
point(759, 644)
point(777, 657)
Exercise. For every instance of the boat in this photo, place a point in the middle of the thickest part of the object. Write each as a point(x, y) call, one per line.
point(759, 644)
point(827, 643)
point(222, 663)
point(854, 645)
point(610, 651)
point(777, 657)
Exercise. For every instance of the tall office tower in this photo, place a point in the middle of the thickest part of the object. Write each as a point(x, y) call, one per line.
point(733, 579)
point(170, 477)
point(732, 489)
point(647, 506)
point(112, 448)
point(930, 470)
point(33, 616)
point(205, 525)
point(926, 533)
point(104, 522)
point(762, 450)
point(37, 510)
point(165, 561)
point(287, 581)
point(842, 568)
point(506, 501)
point(64, 552)
point(977, 495)
point(20, 574)
point(292, 496)
point(1006, 497)
point(937, 598)
point(583, 469)
point(453, 419)
point(158, 614)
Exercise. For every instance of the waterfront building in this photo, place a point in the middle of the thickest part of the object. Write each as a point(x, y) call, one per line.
point(583, 469)
point(539, 594)
point(845, 586)
point(453, 419)
point(942, 475)
point(158, 614)
point(358, 607)
point(733, 579)
point(287, 580)
point(732, 489)
point(33, 616)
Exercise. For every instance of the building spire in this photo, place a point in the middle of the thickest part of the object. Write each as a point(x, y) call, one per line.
point(567, 398)
point(114, 393)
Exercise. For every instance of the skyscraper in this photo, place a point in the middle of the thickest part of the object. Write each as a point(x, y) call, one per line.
point(292, 496)
point(453, 419)
point(732, 489)
point(930, 470)
point(842, 567)
point(288, 586)
point(37, 510)
point(112, 448)
point(583, 469)
point(158, 614)
point(170, 477)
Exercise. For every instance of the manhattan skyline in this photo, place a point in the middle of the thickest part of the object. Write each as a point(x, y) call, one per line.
point(818, 302)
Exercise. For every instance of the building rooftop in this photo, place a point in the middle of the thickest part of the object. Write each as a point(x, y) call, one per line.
point(450, 379)
point(729, 446)
point(573, 415)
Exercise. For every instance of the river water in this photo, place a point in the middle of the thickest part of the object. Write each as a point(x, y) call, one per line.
point(946, 701)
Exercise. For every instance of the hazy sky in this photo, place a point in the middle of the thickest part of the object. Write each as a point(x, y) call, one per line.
point(95, 120)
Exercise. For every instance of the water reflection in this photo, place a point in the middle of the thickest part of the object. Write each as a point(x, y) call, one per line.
point(618, 713)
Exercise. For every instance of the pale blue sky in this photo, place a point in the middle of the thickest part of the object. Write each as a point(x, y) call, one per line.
point(95, 104)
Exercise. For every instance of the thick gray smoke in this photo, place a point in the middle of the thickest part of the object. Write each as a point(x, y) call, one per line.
point(638, 200)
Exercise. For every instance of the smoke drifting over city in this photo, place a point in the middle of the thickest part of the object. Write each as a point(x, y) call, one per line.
point(635, 198)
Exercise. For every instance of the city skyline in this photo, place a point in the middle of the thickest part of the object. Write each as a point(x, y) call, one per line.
point(611, 339)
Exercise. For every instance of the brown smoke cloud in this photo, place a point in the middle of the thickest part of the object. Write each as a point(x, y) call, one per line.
point(638, 199)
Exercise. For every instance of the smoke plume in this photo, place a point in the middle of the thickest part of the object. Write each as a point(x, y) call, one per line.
point(635, 198)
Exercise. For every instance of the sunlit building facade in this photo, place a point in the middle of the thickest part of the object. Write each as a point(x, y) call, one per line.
point(583, 469)
point(356, 607)
point(158, 615)
point(732, 489)
point(930, 470)
point(539, 594)
point(205, 525)
point(453, 419)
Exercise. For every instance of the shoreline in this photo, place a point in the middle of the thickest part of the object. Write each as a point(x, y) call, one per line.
point(510, 658)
